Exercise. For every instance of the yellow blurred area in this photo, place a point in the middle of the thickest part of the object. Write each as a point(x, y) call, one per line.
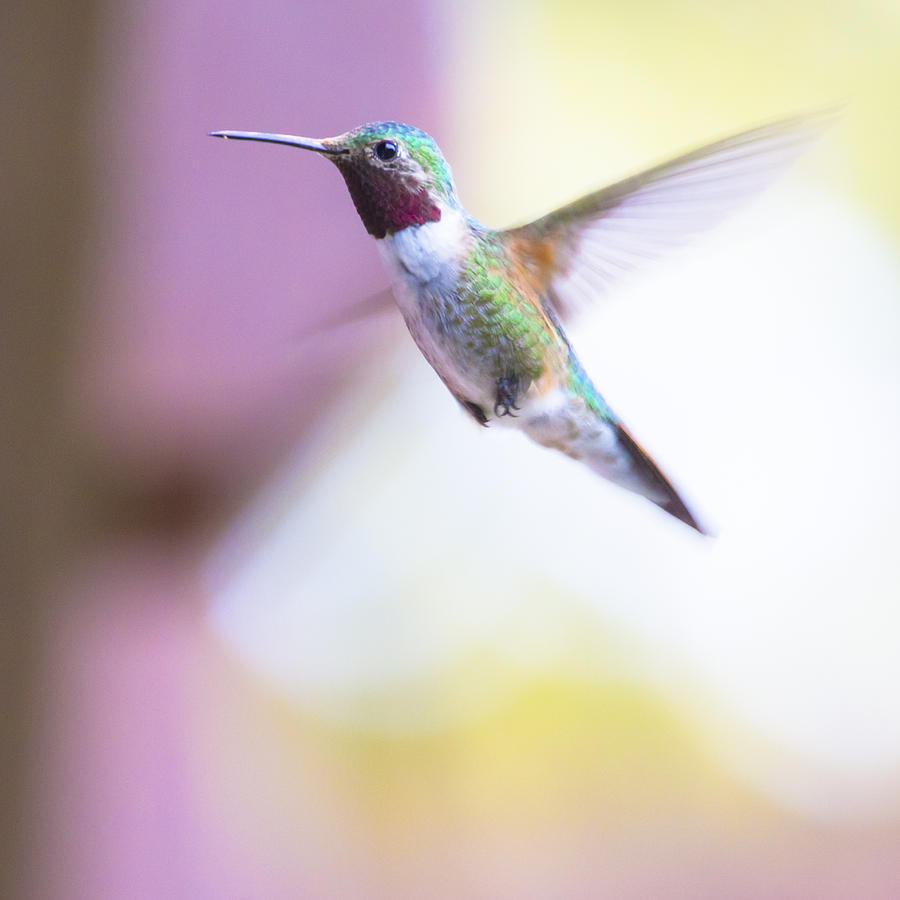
point(573, 787)
point(562, 97)
point(564, 764)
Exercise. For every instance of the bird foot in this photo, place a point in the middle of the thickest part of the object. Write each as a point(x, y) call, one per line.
point(507, 394)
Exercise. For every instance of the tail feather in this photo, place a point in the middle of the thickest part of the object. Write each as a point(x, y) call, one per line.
point(667, 497)
point(582, 426)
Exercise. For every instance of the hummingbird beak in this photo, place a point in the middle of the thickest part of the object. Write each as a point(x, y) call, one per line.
point(328, 146)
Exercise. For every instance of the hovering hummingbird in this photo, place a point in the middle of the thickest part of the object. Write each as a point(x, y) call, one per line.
point(486, 306)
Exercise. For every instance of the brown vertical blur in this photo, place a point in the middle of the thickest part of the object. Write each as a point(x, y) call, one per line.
point(46, 60)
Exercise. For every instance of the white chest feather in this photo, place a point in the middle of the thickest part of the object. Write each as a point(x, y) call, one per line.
point(424, 254)
point(424, 263)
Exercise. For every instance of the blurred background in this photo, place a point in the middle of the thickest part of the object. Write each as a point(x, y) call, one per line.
point(281, 623)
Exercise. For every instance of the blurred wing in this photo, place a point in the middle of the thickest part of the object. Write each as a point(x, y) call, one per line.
point(578, 251)
point(370, 306)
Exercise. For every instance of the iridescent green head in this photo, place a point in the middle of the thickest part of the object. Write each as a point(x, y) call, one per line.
point(396, 174)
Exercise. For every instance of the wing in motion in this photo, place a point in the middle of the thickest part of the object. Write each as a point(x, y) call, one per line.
point(577, 251)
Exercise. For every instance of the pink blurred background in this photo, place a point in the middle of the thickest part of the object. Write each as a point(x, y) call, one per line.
point(163, 375)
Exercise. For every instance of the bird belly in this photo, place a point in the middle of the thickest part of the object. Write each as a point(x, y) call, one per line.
point(423, 263)
point(464, 374)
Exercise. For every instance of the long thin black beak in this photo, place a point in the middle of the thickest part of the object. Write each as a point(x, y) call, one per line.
point(289, 139)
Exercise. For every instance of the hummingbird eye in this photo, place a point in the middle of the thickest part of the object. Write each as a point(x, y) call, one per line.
point(386, 150)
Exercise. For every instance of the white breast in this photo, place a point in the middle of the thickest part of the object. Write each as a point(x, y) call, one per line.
point(425, 253)
point(424, 263)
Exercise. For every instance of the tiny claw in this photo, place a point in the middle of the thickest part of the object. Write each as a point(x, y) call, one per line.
point(502, 408)
point(507, 393)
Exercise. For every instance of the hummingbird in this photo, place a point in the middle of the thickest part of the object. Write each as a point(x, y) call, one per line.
point(486, 306)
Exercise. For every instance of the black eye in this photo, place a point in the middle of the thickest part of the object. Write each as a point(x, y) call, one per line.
point(386, 150)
